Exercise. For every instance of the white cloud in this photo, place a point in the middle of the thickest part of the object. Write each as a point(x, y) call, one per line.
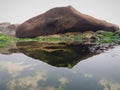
point(109, 85)
point(14, 68)
point(63, 80)
point(86, 75)
point(30, 81)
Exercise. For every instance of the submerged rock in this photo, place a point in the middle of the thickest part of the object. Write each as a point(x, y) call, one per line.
point(62, 20)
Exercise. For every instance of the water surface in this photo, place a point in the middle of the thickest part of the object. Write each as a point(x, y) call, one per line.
point(59, 66)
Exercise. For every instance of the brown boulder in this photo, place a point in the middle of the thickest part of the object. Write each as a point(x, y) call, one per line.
point(61, 20)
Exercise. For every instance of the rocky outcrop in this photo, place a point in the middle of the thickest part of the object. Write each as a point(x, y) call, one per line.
point(61, 20)
point(8, 29)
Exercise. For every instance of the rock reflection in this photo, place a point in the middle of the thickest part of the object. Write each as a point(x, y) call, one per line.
point(57, 54)
point(6, 49)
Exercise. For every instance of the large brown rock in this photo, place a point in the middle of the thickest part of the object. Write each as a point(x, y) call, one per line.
point(61, 20)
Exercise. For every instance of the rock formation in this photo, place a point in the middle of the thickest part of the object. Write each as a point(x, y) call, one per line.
point(8, 29)
point(61, 20)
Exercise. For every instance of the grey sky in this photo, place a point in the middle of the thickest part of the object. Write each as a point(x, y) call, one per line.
point(17, 11)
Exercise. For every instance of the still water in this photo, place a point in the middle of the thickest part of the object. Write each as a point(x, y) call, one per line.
point(59, 66)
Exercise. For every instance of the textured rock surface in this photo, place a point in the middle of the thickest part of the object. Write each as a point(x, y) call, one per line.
point(61, 20)
point(8, 29)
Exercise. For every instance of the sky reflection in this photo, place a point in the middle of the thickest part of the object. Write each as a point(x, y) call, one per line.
point(99, 72)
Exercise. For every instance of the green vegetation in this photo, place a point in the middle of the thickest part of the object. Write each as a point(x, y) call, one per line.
point(108, 37)
point(104, 37)
point(6, 40)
